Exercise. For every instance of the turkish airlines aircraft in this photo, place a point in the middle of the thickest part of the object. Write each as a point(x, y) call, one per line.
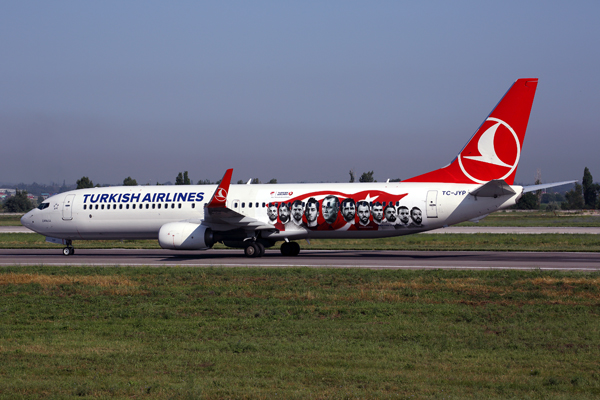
point(254, 217)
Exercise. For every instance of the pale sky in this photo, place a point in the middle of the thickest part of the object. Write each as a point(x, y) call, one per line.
point(298, 91)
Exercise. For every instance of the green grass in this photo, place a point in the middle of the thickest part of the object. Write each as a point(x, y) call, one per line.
point(10, 220)
point(465, 242)
point(162, 333)
point(537, 218)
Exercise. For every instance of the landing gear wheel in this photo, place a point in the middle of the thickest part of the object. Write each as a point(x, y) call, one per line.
point(295, 248)
point(68, 251)
point(287, 249)
point(251, 250)
point(261, 249)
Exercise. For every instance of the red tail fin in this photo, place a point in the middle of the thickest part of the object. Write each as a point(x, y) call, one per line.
point(495, 149)
point(219, 198)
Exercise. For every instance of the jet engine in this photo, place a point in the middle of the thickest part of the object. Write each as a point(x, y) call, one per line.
point(185, 236)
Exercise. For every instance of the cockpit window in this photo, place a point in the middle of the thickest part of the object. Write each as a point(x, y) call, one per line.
point(43, 205)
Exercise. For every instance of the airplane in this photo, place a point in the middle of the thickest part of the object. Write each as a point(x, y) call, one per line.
point(479, 180)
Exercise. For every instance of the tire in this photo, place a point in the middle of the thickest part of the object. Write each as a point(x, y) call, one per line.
point(261, 249)
point(286, 249)
point(251, 250)
point(67, 251)
point(295, 248)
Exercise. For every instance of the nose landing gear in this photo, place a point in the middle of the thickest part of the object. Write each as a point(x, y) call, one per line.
point(69, 250)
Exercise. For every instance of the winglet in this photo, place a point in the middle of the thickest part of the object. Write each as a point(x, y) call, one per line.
point(219, 198)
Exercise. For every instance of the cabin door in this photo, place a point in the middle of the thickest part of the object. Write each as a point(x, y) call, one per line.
point(68, 207)
point(432, 204)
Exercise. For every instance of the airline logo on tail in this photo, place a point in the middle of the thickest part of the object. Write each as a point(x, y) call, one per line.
point(501, 155)
point(221, 195)
point(495, 149)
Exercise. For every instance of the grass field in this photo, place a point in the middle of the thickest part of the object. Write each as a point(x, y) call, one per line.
point(518, 218)
point(163, 333)
point(465, 242)
point(10, 220)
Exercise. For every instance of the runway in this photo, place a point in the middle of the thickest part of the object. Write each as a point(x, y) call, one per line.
point(475, 260)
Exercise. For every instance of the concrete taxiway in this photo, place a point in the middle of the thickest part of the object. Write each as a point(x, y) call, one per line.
point(311, 258)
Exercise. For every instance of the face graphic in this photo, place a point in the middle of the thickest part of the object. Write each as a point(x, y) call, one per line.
point(390, 214)
point(363, 214)
point(297, 213)
point(330, 209)
point(377, 213)
point(416, 216)
point(272, 213)
point(312, 213)
point(403, 214)
point(284, 213)
point(349, 211)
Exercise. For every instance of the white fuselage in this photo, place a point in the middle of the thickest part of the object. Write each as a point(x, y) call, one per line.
point(138, 212)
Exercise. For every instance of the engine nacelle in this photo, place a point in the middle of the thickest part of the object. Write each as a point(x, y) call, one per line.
point(185, 236)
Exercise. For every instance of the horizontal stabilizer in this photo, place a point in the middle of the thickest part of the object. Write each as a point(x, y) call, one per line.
point(533, 188)
point(495, 188)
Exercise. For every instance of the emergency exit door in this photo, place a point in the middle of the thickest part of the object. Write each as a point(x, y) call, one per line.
point(432, 204)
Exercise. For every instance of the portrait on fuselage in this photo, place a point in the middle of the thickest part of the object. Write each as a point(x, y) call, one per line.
point(416, 216)
point(377, 211)
point(330, 208)
point(312, 212)
point(349, 210)
point(389, 214)
point(363, 210)
point(297, 211)
point(403, 217)
point(284, 213)
point(272, 213)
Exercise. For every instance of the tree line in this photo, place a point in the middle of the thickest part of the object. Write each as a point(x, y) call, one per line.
point(582, 196)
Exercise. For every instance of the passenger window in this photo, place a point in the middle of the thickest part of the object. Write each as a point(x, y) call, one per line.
point(243, 205)
point(250, 205)
point(263, 204)
point(257, 204)
point(96, 206)
point(173, 205)
point(120, 206)
point(193, 205)
point(179, 205)
point(153, 206)
point(159, 205)
point(132, 206)
point(235, 205)
point(127, 206)
point(102, 207)
point(84, 206)
point(114, 206)
point(147, 206)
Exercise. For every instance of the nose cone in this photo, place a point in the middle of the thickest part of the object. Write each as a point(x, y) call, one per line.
point(26, 220)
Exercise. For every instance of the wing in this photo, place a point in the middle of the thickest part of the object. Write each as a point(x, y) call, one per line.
point(219, 217)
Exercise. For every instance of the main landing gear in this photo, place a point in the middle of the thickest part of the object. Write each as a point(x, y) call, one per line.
point(254, 249)
point(69, 250)
point(290, 249)
point(257, 249)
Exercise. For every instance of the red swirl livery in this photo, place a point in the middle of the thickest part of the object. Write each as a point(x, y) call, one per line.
point(251, 217)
